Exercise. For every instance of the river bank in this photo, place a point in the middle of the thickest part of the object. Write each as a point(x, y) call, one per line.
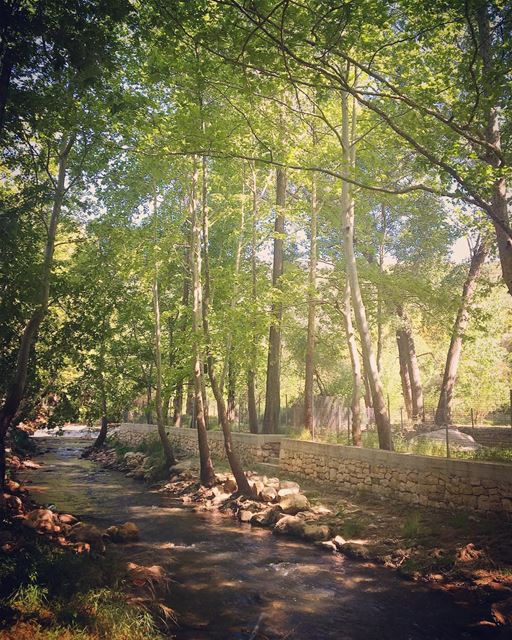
point(456, 552)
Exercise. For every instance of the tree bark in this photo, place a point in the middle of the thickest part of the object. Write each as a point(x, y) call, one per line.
point(355, 404)
point(16, 389)
point(370, 363)
point(149, 394)
point(190, 404)
point(232, 456)
point(492, 134)
point(207, 473)
point(231, 408)
point(170, 459)
point(102, 435)
point(445, 404)
point(413, 368)
point(311, 331)
point(273, 383)
point(382, 247)
point(251, 372)
point(401, 341)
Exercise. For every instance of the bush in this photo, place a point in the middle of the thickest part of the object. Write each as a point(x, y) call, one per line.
point(51, 592)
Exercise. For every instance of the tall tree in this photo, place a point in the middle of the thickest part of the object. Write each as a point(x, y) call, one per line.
point(445, 405)
point(273, 384)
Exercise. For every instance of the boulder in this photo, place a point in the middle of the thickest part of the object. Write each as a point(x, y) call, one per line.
point(244, 515)
point(291, 491)
point(268, 517)
point(326, 545)
point(339, 541)
point(42, 520)
point(221, 498)
point(187, 464)
point(316, 532)
point(289, 526)
point(87, 534)
point(11, 503)
point(12, 486)
point(502, 612)
point(268, 494)
point(457, 439)
point(256, 488)
point(127, 532)
point(294, 503)
point(355, 551)
point(289, 484)
point(67, 518)
point(229, 486)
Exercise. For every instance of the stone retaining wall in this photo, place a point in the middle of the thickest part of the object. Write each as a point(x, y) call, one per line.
point(490, 436)
point(251, 448)
point(428, 481)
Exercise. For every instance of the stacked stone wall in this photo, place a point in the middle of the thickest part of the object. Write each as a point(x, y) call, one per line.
point(423, 480)
point(252, 448)
point(490, 436)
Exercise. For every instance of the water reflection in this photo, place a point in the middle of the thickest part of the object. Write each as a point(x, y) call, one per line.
point(231, 581)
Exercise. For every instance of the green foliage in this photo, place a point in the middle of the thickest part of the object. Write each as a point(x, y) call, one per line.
point(74, 595)
point(144, 92)
point(412, 525)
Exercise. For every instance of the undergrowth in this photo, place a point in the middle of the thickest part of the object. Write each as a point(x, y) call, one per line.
point(419, 447)
point(49, 592)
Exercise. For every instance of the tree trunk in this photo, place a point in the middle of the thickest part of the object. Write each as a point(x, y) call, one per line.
point(177, 404)
point(232, 456)
point(273, 384)
point(178, 392)
point(311, 332)
point(444, 406)
point(382, 247)
point(231, 408)
point(170, 460)
point(102, 435)
point(251, 372)
point(356, 368)
point(149, 393)
point(412, 366)
point(16, 389)
point(190, 405)
point(401, 341)
point(379, 403)
point(207, 473)
point(492, 133)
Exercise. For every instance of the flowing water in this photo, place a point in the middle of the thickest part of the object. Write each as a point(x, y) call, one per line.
point(234, 582)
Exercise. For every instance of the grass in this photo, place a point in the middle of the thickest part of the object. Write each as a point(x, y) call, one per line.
point(411, 527)
point(50, 592)
point(420, 447)
point(352, 527)
point(150, 447)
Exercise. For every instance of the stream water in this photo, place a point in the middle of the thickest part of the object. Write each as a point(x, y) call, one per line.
point(234, 582)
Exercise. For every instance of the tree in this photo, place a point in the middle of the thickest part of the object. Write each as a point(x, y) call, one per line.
point(444, 407)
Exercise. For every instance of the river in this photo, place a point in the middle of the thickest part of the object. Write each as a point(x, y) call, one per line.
point(234, 582)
